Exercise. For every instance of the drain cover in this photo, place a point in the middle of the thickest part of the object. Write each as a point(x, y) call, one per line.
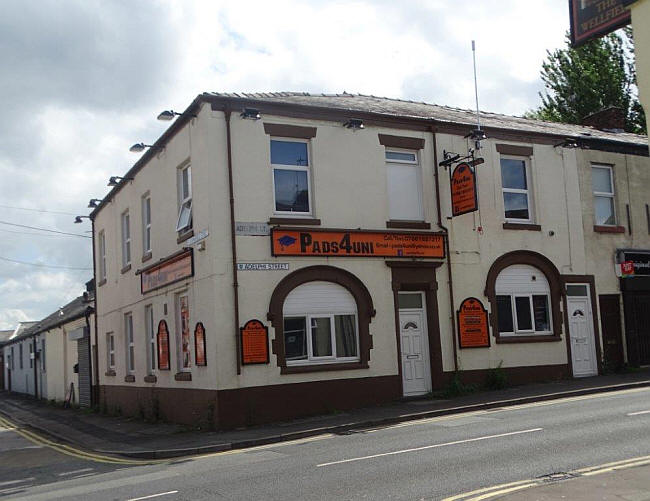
point(557, 476)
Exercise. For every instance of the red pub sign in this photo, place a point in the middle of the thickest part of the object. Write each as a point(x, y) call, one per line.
point(463, 190)
point(255, 343)
point(473, 331)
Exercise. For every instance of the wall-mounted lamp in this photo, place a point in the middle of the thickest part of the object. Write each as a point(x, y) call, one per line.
point(567, 143)
point(115, 180)
point(138, 147)
point(168, 115)
point(94, 202)
point(250, 114)
point(78, 219)
point(354, 123)
point(477, 135)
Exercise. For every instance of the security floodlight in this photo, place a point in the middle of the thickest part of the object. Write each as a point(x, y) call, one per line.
point(115, 180)
point(354, 124)
point(94, 202)
point(250, 114)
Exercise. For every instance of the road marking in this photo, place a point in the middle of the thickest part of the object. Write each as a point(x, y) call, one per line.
point(11, 482)
point(498, 490)
point(78, 453)
point(416, 449)
point(638, 413)
point(83, 470)
point(153, 496)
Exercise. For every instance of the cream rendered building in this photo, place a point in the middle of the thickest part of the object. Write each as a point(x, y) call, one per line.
point(640, 23)
point(279, 213)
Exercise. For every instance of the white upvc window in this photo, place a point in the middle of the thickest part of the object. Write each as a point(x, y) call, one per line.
point(516, 186)
point(150, 337)
point(126, 239)
point(320, 325)
point(184, 222)
point(102, 256)
point(523, 302)
point(291, 176)
point(110, 351)
point(602, 182)
point(404, 179)
point(130, 345)
point(146, 224)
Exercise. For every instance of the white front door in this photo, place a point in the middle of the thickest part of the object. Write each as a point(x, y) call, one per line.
point(581, 331)
point(416, 370)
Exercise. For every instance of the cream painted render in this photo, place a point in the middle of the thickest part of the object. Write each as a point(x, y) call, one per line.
point(348, 188)
point(640, 25)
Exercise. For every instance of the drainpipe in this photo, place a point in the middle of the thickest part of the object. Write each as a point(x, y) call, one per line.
point(446, 231)
point(95, 352)
point(233, 243)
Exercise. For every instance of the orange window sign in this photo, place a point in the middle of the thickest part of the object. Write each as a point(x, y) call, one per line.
point(473, 331)
point(356, 243)
point(463, 190)
point(199, 344)
point(254, 343)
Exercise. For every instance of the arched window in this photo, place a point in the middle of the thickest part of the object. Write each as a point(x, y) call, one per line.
point(321, 317)
point(320, 324)
point(523, 301)
point(524, 291)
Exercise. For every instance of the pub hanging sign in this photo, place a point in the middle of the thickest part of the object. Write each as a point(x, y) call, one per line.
point(473, 329)
point(464, 197)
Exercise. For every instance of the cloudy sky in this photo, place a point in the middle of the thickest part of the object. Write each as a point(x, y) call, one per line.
point(83, 80)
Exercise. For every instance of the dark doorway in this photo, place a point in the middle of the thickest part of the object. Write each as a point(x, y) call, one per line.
point(610, 322)
point(637, 327)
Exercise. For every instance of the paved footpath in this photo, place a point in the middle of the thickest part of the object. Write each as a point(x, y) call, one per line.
point(137, 439)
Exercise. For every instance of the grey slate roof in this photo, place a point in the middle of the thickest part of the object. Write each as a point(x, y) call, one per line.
point(413, 109)
point(73, 310)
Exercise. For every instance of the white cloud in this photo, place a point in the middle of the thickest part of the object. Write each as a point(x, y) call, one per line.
point(88, 78)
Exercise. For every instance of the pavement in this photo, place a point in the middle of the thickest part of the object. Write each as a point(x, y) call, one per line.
point(135, 438)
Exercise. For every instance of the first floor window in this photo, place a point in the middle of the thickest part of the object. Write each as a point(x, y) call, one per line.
point(290, 164)
point(110, 350)
point(130, 345)
point(404, 185)
point(126, 239)
point(184, 222)
point(602, 182)
point(523, 301)
point(515, 182)
point(320, 324)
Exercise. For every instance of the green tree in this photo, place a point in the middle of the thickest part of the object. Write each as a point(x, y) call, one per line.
point(592, 77)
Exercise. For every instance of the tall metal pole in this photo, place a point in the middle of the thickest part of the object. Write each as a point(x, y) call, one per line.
point(478, 115)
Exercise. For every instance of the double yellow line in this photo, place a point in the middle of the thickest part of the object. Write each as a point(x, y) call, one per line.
point(72, 451)
point(502, 489)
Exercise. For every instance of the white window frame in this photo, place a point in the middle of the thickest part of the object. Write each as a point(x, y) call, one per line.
point(43, 366)
point(604, 194)
point(102, 255)
point(126, 238)
point(110, 350)
point(527, 192)
point(184, 199)
point(311, 359)
point(416, 164)
point(150, 337)
point(129, 343)
point(302, 168)
point(146, 224)
point(515, 321)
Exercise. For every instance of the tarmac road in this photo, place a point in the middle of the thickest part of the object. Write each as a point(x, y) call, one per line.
point(428, 459)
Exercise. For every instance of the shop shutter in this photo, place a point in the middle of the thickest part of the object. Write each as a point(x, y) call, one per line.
point(83, 357)
point(319, 297)
point(522, 279)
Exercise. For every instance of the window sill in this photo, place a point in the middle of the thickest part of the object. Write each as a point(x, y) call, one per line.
point(410, 225)
point(527, 339)
point(150, 378)
point(109, 373)
point(101, 282)
point(146, 257)
point(608, 229)
point(304, 221)
point(125, 269)
point(183, 376)
point(184, 236)
point(301, 369)
point(522, 226)
point(129, 378)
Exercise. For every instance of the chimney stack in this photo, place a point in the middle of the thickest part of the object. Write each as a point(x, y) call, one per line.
point(611, 119)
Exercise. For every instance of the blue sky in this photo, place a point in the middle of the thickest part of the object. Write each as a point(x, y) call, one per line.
point(83, 80)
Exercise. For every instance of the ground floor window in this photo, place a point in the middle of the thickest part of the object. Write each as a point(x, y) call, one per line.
point(523, 301)
point(320, 324)
point(183, 319)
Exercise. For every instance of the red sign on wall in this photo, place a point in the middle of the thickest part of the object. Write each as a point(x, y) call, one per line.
point(463, 190)
point(254, 343)
point(473, 331)
point(163, 346)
